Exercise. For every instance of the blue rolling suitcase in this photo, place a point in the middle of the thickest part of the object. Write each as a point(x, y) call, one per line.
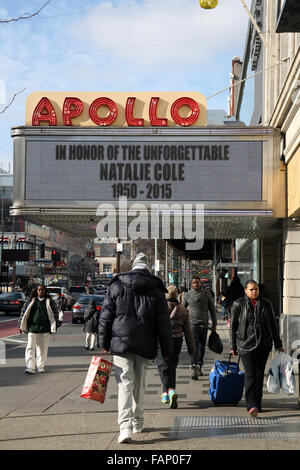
point(226, 383)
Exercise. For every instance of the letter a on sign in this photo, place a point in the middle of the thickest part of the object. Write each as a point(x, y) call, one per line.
point(44, 112)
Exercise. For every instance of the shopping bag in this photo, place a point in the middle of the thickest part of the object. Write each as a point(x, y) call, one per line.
point(96, 381)
point(281, 375)
point(214, 343)
point(287, 376)
point(273, 380)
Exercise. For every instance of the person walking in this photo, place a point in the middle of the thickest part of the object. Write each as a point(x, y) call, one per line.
point(199, 302)
point(180, 326)
point(253, 331)
point(233, 292)
point(39, 317)
point(134, 319)
point(91, 320)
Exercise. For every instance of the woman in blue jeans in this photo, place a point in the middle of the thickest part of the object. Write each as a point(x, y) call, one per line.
point(180, 325)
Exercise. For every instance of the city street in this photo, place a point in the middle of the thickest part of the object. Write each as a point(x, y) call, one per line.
point(45, 411)
point(170, 186)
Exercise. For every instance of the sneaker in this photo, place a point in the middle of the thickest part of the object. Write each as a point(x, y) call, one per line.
point(199, 370)
point(29, 371)
point(165, 398)
point(173, 399)
point(41, 370)
point(125, 436)
point(194, 375)
point(137, 428)
point(253, 412)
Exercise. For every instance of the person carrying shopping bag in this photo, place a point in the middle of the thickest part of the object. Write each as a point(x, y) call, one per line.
point(253, 331)
point(39, 318)
point(134, 319)
point(180, 326)
point(91, 320)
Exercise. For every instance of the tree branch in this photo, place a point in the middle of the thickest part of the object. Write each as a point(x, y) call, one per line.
point(12, 100)
point(25, 16)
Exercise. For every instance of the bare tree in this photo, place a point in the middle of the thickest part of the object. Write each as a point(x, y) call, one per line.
point(24, 16)
point(11, 101)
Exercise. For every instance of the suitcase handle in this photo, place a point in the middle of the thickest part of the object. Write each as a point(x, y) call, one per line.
point(238, 362)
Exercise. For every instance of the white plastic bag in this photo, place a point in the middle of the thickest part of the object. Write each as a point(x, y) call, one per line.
point(273, 380)
point(281, 375)
point(287, 377)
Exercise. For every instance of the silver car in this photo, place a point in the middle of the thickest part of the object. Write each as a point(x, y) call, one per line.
point(82, 303)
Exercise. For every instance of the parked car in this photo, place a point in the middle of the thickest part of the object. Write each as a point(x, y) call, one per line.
point(101, 291)
point(56, 292)
point(12, 302)
point(81, 304)
point(77, 291)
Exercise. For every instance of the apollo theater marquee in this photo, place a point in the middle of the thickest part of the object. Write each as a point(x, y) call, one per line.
point(78, 150)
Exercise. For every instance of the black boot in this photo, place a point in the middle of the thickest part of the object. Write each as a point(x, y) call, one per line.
point(194, 375)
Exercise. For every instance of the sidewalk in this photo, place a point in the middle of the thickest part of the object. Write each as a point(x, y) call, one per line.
point(45, 411)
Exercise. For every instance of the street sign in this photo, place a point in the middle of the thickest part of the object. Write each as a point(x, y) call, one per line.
point(15, 255)
point(120, 247)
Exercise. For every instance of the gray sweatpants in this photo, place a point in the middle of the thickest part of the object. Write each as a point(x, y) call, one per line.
point(130, 370)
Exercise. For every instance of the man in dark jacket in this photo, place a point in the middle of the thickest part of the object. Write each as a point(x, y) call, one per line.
point(134, 318)
point(233, 292)
point(253, 330)
point(199, 302)
point(91, 323)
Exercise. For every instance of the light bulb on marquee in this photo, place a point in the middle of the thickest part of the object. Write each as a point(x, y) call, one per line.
point(208, 4)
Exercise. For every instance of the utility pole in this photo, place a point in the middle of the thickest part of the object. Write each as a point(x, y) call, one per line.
point(118, 254)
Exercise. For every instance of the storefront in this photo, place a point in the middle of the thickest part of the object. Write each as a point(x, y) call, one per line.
point(148, 166)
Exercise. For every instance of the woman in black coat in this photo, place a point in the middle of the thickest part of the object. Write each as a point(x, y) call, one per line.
point(253, 331)
point(91, 320)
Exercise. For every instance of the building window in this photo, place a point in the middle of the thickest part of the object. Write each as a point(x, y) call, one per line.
point(107, 268)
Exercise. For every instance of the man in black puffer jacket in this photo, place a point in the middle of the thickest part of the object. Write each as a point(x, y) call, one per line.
point(134, 319)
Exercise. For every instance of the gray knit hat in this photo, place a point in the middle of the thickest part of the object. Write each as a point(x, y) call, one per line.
point(141, 262)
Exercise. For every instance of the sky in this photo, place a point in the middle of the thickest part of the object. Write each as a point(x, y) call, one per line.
point(116, 45)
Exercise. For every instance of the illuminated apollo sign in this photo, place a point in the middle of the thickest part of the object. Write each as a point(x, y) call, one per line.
point(140, 109)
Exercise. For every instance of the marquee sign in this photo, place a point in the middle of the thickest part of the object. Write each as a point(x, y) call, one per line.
point(141, 170)
point(138, 109)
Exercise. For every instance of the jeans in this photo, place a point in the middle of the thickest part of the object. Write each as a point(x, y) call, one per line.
point(254, 366)
point(200, 337)
point(37, 350)
point(130, 371)
point(167, 369)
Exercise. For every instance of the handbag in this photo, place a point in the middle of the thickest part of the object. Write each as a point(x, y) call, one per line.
point(96, 381)
point(215, 343)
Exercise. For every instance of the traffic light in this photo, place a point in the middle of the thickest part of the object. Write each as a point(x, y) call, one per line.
point(55, 256)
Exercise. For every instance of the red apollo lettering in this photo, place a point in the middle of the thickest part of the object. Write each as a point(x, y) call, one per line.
point(131, 121)
point(192, 104)
point(72, 108)
point(154, 120)
point(113, 111)
point(44, 112)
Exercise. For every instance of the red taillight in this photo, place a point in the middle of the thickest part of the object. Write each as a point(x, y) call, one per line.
point(98, 308)
point(14, 302)
point(77, 307)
